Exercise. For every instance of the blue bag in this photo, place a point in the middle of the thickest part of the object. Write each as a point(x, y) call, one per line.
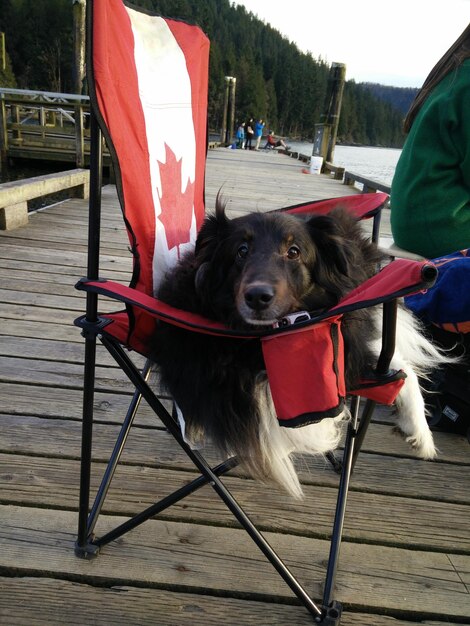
point(447, 303)
point(445, 311)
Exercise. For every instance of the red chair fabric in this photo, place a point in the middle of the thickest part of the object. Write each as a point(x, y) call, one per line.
point(157, 134)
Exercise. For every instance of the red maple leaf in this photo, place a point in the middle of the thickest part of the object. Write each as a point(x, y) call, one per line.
point(177, 207)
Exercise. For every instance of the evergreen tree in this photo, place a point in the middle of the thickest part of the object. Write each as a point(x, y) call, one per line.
point(275, 80)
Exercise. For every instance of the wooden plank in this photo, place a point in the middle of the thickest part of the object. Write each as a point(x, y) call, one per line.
point(57, 257)
point(57, 272)
point(43, 602)
point(54, 349)
point(64, 235)
point(415, 523)
point(199, 557)
point(76, 604)
point(40, 314)
point(35, 299)
point(46, 281)
point(46, 315)
point(57, 403)
point(53, 373)
point(23, 328)
point(75, 302)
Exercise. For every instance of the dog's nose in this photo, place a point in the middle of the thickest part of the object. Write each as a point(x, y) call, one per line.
point(259, 297)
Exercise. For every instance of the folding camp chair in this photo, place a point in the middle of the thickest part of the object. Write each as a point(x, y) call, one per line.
point(148, 87)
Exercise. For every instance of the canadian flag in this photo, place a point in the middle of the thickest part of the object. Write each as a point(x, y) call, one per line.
point(150, 81)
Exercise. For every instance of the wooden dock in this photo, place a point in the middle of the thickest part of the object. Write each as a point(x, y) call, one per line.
point(406, 552)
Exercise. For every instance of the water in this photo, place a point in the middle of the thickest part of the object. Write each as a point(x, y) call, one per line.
point(377, 164)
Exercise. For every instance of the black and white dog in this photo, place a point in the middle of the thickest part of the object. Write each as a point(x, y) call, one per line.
point(250, 272)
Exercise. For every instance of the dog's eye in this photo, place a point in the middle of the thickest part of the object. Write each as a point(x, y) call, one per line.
point(293, 252)
point(242, 251)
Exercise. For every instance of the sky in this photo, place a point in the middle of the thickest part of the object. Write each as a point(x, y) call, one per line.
point(392, 43)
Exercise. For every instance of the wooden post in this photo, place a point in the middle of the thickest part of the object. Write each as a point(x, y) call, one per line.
point(79, 137)
point(231, 123)
point(79, 44)
point(327, 130)
point(42, 122)
point(223, 132)
point(16, 132)
point(3, 130)
point(3, 53)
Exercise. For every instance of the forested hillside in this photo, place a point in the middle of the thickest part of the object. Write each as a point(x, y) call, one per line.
point(275, 81)
point(399, 97)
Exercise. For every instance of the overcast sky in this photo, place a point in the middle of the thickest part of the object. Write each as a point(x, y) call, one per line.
point(392, 43)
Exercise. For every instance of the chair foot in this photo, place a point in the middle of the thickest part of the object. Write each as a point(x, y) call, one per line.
point(336, 464)
point(88, 551)
point(332, 615)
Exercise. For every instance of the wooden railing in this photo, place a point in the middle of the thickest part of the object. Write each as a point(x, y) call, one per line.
point(47, 125)
point(340, 173)
point(368, 185)
point(14, 196)
point(44, 125)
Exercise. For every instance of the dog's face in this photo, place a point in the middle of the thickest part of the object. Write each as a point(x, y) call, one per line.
point(258, 268)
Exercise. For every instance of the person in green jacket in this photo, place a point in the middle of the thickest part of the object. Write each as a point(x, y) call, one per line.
point(430, 193)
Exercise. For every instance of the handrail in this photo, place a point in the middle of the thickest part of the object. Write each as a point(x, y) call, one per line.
point(368, 185)
point(59, 120)
point(47, 96)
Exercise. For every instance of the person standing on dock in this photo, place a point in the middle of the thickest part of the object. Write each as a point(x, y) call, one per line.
point(249, 132)
point(241, 136)
point(258, 132)
point(430, 193)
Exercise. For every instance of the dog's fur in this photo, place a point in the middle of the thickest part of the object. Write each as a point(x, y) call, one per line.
point(249, 272)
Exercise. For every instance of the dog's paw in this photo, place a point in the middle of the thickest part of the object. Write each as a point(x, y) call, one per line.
point(423, 443)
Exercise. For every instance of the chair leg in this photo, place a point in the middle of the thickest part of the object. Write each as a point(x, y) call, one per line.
point(341, 504)
point(366, 417)
point(116, 454)
point(83, 547)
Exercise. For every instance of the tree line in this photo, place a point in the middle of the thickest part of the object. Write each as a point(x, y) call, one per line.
point(275, 80)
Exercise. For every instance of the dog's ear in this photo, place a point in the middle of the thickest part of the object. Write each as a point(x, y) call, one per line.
point(200, 276)
point(336, 251)
point(211, 232)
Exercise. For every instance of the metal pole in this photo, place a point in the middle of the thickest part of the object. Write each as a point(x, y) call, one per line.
point(90, 338)
point(341, 504)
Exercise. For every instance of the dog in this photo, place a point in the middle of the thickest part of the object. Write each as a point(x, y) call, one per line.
point(249, 272)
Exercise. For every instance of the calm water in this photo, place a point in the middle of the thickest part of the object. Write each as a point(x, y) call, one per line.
point(375, 163)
